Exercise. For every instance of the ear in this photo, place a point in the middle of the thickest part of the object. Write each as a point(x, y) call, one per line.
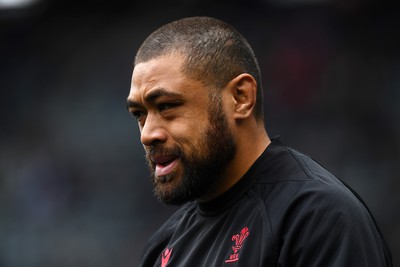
point(244, 91)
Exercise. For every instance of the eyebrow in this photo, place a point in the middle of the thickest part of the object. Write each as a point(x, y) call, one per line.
point(152, 96)
point(156, 93)
point(132, 104)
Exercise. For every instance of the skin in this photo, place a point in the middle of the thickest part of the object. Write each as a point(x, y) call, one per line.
point(173, 110)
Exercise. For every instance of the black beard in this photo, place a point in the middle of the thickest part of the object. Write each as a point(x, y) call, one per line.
point(201, 170)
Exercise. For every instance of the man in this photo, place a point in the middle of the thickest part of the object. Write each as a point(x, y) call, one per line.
point(246, 200)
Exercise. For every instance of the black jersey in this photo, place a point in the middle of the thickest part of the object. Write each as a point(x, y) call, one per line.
point(286, 210)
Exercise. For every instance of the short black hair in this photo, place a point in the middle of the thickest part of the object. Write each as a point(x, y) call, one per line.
point(214, 51)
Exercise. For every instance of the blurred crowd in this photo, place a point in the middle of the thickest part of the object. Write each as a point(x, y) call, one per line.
point(74, 188)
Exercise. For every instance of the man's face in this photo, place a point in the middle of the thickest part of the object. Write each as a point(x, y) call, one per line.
point(186, 136)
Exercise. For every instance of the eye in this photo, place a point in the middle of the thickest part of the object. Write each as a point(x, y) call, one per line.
point(138, 114)
point(166, 106)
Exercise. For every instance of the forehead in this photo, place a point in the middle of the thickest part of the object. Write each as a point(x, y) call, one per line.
point(165, 73)
point(161, 66)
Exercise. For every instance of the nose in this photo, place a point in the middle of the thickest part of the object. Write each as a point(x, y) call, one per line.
point(152, 132)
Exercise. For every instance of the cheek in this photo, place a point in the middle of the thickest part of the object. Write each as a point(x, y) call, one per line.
point(189, 128)
point(191, 136)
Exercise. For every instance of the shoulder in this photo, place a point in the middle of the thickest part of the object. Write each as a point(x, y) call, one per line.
point(161, 237)
point(322, 191)
point(302, 186)
point(314, 215)
point(297, 192)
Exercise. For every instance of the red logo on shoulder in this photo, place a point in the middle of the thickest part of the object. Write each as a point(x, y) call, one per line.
point(238, 239)
point(165, 257)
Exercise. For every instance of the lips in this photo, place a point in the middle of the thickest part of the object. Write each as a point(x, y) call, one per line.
point(164, 164)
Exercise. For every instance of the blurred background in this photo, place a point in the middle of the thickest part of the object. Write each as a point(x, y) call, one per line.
point(74, 188)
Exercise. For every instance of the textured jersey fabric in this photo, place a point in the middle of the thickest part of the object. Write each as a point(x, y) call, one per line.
point(286, 210)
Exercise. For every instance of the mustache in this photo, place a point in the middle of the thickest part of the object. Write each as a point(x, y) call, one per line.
point(157, 151)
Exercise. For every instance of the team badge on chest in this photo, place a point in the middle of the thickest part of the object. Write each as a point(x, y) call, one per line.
point(238, 240)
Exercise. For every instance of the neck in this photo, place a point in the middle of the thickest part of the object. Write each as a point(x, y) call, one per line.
point(250, 146)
